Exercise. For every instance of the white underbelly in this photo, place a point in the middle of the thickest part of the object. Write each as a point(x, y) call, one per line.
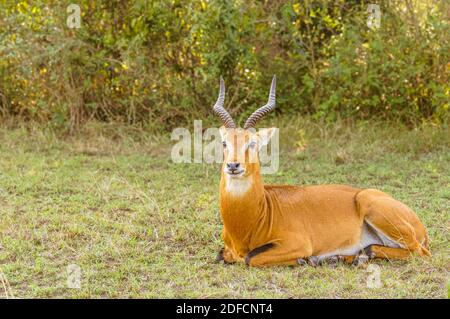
point(370, 236)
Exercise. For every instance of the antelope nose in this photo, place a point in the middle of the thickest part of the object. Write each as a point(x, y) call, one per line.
point(233, 166)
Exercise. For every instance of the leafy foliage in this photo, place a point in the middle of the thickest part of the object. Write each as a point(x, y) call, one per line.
point(159, 61)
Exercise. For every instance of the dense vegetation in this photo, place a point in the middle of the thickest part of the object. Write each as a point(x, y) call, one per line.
point(159, 61)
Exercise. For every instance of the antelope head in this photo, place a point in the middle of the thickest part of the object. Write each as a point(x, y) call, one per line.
point(241, 145)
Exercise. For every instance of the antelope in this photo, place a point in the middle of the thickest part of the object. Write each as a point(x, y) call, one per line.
point(268, 225)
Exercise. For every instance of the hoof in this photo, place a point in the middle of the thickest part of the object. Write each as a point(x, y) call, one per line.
point(302, 262)
point(360, 260)
point(219, 256)
point(368, 251)
point(313, 261)
point(333, 261)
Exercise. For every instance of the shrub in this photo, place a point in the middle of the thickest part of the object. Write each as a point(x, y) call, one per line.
point(158, 62)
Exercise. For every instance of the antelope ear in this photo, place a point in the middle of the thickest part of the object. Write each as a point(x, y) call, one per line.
point(223, 132)
point(264, 135)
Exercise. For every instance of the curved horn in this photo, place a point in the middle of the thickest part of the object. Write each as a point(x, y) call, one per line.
point(219, 110)
point(263, 110)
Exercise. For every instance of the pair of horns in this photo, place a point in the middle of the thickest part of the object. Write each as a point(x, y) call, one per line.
point(257, 115)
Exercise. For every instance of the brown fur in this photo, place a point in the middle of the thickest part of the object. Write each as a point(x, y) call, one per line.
point(301, 222)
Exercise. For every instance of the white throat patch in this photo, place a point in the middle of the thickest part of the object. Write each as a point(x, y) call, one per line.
point(237, 186)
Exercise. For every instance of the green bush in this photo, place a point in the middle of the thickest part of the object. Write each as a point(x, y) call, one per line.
point(158, 62)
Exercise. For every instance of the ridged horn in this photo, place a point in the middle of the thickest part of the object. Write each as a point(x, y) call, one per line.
point(219, 109)
point(263, 110)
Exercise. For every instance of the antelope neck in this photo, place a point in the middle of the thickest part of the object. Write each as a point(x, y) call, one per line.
point(242, 204)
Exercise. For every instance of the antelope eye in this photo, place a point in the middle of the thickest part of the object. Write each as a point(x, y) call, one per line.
point(224, 144)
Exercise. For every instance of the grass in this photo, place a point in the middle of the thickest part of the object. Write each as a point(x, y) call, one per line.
point(110, 200)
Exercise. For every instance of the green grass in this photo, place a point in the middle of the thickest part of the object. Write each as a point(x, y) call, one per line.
point(111, 201)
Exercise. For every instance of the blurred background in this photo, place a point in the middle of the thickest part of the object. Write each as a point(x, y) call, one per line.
point(157, 63)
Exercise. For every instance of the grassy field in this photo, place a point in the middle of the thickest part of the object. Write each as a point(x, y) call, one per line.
point(110, 200)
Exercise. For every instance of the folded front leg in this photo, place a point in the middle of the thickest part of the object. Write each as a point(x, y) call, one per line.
point(273, 254)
